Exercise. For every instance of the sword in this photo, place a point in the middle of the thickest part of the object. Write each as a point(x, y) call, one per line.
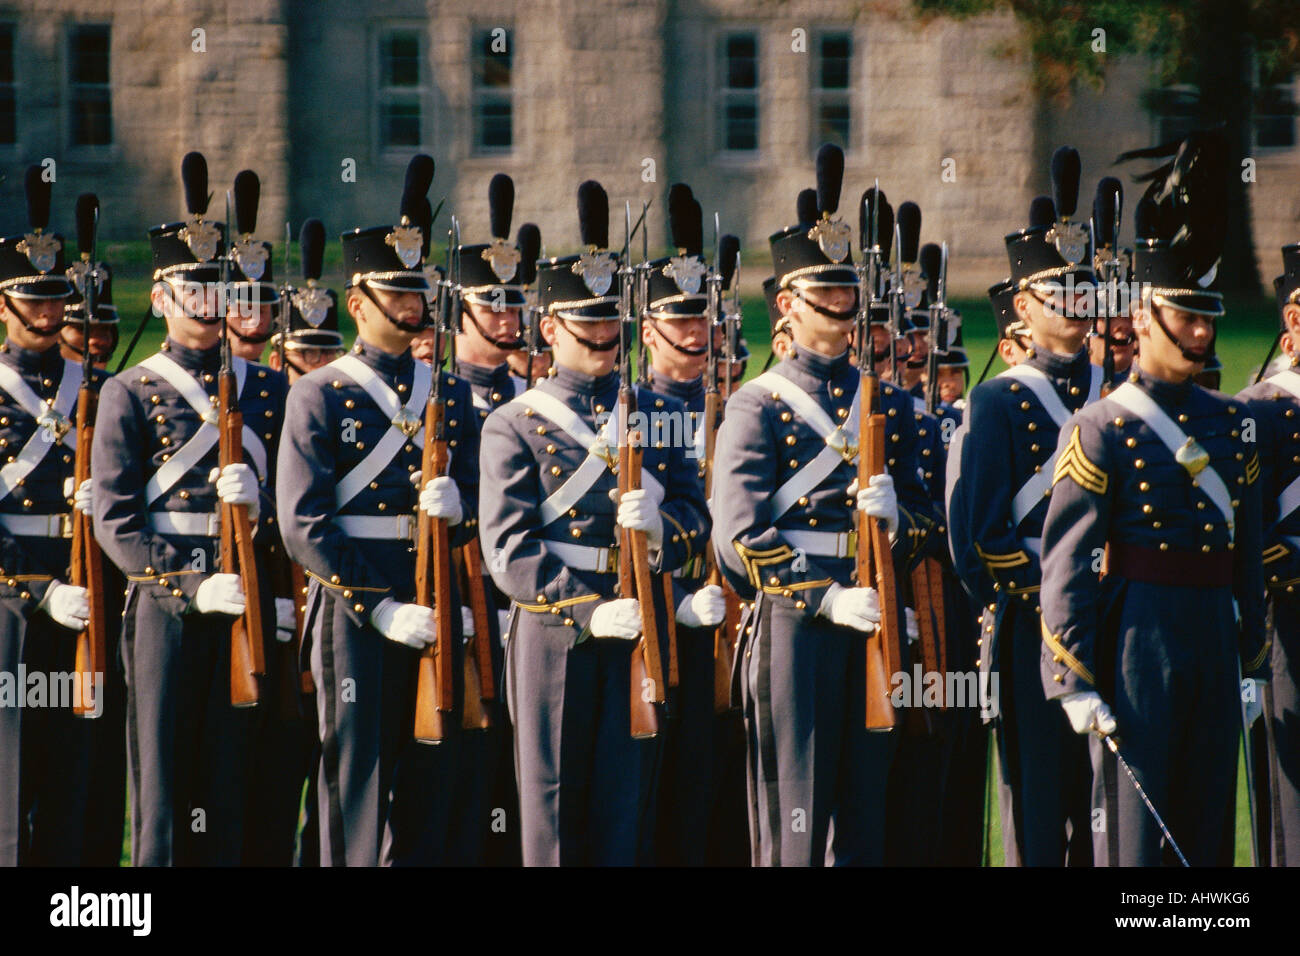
point(1110, 743)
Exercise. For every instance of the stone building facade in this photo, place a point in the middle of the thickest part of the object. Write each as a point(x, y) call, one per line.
point(327, 99)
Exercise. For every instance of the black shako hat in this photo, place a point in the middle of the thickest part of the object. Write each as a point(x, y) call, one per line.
point(1180, 224)
point(313, 318)
point(190, 250)
point(585, 287)
point(32, 265)
point(820, 254)
point(392, 257)
point(490, 272)
point(677, 283)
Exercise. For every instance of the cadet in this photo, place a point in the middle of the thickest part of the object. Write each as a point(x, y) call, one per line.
point(1013, 420)
point(1161, 478)
point(255, 303)
point(102, 328)
point(783, 540)
point(106, 780)
point(156, 517)
point(1275, 405)
point(778, 324)
point(44, 749)
point(702, 795)
point(491, 299)
point(347, 499)
point(587, 787)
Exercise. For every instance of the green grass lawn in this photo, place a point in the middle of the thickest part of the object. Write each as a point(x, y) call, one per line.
point(1244, 338)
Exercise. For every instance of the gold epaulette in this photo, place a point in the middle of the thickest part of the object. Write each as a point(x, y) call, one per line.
point(1074, 463)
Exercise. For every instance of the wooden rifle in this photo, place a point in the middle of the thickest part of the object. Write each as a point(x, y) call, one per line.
point(634, 576)
point(247, 652)
point(927, 576)
point(725, 272)
point(875, 563)
point(87, 570)
point(434, 687)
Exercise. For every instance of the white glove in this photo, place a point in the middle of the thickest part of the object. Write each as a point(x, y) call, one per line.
point(286, 621)
point(1087, 712)
point(220, 594)
point(66, 604)
point(1253, 705)
point(441, 499)
point(879, 501)
point(913, 628)
point(619, 618)
point(858, 608)
point(409, 624)
point(705, 608)
point(639, 511)
point(466, 621)
point(237, 485)
point(84, 499)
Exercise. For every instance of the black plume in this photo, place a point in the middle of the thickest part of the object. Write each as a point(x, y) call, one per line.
point(1192, 198)
point(1065, 180)
point(931, 266)
point(248, 191)
point(529, 241)
point(87, 220)
point(729, 256)
point(194, 177)
point(501, 202)
point(311, 243)
point(909, 230)
point(1146, 219)
point(593, 215)
point(1042, 212)
point(806, 206)
point(1106, 209)
point(685, 219)
point(869, 200)
point(38, 198)
point(830, 178)
point(424, 221)
point(419, 177)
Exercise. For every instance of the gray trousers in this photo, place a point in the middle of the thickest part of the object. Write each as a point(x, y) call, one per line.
point(586, 787)
point(187, 748)
point(819, 776)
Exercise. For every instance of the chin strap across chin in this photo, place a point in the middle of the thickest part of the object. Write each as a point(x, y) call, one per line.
point(510, 345)
point(404, 326)
point(693, 352)
point(821, 310)
point(42, 333)
point(588, 343)
point(1190, 356)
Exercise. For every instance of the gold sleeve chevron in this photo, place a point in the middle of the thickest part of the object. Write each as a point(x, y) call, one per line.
point(1276, 553)
point(1074, 463)
point(755, 560)
point(1252, 469)
point(1058, 650)
point(1001, 562)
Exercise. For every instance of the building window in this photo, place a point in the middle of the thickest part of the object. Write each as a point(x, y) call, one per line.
point(8, 104)
point(832, 109)
point(737, 86)
point(90, 107)
point(1275, 115)
point(493, 83)
point(1174, 109)
point(399, 95)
